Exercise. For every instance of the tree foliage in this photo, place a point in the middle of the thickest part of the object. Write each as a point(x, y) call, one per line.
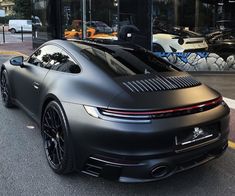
point(23, 9)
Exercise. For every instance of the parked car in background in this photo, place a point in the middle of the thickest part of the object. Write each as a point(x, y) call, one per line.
point(16, 25)
point(176, 39)
point(95, 30)
point(100, 26)
point(172, 43)
point(91, 34)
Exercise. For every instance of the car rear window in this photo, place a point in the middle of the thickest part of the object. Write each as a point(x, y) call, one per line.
point(126, 61)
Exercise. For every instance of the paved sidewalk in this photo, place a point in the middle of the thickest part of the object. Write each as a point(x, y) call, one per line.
point(25, 48)
point(15, 38)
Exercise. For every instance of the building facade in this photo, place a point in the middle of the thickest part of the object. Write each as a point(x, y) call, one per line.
point(7, 6)
point(195, 35)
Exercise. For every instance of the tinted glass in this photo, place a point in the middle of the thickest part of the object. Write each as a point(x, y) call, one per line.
point(54, 58)
point(126, 61)
point(100, 19)
point(45, 23)
point(42, 57)
point(71, 19)
point(135, 22)
point(64, 63)
point(195, 35)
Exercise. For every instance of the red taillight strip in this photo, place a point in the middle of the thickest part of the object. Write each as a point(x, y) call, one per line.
point(216, 101)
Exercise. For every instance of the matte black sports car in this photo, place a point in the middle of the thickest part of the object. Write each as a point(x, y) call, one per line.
point(116, 111)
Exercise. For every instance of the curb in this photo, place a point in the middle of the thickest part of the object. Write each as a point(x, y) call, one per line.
point(14, 53)
point(231, 145)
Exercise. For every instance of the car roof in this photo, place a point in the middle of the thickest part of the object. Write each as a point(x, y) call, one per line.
point(109, 45)
point(104, 45)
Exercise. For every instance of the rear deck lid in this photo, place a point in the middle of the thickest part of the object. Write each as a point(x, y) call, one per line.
point(161, 91)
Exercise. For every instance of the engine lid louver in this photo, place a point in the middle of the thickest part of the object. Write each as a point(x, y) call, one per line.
point(160, 83)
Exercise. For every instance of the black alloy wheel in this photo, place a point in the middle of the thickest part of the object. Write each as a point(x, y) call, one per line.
point(56, 141)
point(5, 92)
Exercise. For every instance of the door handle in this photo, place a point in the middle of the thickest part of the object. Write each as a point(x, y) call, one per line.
point(36, 85)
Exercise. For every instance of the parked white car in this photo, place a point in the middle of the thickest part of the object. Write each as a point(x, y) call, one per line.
point(168, 38)
point(15, 25)
point(172, 43)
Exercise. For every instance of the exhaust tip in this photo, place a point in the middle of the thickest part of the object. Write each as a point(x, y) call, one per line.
point(160, 171)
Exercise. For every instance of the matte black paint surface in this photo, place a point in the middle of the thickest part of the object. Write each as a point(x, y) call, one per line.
point(138, 146)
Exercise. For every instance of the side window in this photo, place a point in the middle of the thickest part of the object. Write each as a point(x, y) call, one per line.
point(64, 63)
point(44, 56)
point(54, 58)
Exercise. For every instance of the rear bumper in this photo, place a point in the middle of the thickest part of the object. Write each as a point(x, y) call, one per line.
point(129, 152)
point(151, 169)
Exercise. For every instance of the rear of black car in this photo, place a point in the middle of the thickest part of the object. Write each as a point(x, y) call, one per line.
point(162, 122)
point(120, 146)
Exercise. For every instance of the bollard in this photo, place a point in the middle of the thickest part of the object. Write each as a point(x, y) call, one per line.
point(22, 34)
point(3, 34)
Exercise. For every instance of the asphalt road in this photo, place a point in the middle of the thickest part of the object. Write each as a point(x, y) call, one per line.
point(3, 58)
point(24, 169)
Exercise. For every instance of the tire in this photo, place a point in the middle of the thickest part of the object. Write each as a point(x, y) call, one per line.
point(13, 31)
point(56, 140)
point(5, 90)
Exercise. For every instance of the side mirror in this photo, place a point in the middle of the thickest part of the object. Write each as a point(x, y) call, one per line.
point(17, 61)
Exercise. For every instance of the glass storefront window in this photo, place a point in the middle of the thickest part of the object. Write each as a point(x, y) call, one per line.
point(44, 23)
point(98, 17)
point(195, 35)
point(72, 19)
point(135, 22)
point(113, 20)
